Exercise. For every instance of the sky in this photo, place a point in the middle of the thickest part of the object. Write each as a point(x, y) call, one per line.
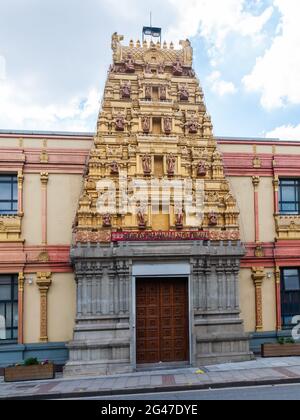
point(54, 57)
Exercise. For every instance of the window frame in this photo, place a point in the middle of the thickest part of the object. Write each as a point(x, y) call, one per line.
point(12, 201)
point(296, 203)
point(13, 283)
point(289, 295)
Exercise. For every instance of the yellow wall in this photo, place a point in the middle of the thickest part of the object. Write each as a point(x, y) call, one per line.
point(242, 189)
point(269, 302)
point(61, 307)
point(32, 221)
point(266, 210)
point(63, 196)
point(31, 311)
point(247, 299)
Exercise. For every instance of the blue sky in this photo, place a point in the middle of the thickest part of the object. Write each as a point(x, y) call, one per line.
point(54, 56)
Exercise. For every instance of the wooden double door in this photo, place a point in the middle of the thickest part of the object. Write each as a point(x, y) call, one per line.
point(162, 322)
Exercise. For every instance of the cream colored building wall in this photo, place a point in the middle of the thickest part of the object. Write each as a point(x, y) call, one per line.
point(269, 303)
point(235, 148)
point(266, 210)
point(31, 322)
point(63, 196)
point(242, 189)
point(32, 221)
point(61, 307)
point(247, 299)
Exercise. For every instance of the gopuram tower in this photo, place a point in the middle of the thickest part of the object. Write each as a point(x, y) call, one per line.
point(157, 281)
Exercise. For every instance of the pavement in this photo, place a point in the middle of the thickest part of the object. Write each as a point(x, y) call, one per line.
point(260, 372)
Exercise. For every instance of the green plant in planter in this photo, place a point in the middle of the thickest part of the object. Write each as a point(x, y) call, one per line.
point(33, 361)
point(284, 341)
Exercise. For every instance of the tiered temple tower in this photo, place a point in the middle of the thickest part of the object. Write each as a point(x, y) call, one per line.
point(154, 127)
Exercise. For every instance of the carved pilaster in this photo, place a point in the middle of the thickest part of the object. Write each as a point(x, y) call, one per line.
point(44, 282)
point(258, 276)
point(255, 182)
point(20, 193)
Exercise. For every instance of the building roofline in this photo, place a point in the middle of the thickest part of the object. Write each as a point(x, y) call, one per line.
point(47, 133)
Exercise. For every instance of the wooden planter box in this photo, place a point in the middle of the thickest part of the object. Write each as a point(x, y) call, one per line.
point(29, 373)
point(280, 350)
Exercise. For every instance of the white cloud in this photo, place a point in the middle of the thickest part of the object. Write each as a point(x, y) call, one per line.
point(2, 68)
point(285, 132)
point(215, 20)
point(220, 86)
point(276, 74)
point(18, 112)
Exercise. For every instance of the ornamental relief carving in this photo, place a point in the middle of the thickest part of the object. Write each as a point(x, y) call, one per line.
point(10, 228)
point(288, 227)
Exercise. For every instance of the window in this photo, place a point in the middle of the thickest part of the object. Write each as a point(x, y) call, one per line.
point(289, 201)
point(8, 308)
point(290, 295)
point(8, 194)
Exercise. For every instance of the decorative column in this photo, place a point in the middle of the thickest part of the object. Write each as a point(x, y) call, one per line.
point(44, 282)
point(256, 181)
point(21, 281)
point(44, 181)
point(278, 299)
point(258, 276)
point(20, 194)
point(276, 194)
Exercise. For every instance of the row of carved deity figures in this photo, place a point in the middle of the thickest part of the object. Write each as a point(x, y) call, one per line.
point(126, 91)
point(178, 69)
point(171, 166)
point(142, 218)
point(192, 125)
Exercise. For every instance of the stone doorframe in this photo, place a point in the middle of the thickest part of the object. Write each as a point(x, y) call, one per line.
point(161, 270)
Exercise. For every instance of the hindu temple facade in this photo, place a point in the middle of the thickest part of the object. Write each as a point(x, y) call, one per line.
point(149, 283)
point(155, 287)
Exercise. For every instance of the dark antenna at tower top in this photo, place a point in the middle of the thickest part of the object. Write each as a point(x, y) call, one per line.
point(151, 31)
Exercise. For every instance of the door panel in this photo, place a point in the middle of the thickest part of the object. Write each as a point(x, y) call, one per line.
point(162, 320)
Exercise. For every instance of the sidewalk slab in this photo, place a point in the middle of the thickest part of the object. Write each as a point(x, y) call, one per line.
point(260, 372)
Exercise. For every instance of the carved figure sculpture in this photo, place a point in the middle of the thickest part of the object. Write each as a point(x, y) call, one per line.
point(184, 93)
point(146, 125)
point(201, 170)
point(120, 123)
point(106, 218)
point(141, 218)
point(148, 93)
point(179, 218)
point(177, 68)
point(129, 64)
point(168, 125)
point(163, 93)
point(117, 47)
point(126, 90)
point(187, 52)
point(213, 219)
point(171, 163)
point(114, 168)
point(146, 160)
